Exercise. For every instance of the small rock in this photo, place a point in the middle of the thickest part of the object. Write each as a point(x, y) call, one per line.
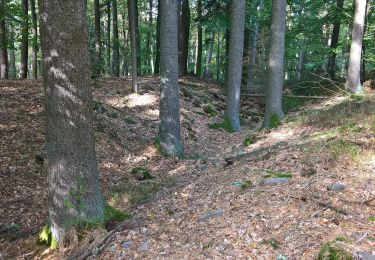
point(275, 181)
point(216, 213)
point(127, 244)
point(337, 186)
point(145, 246)
point(366, 256)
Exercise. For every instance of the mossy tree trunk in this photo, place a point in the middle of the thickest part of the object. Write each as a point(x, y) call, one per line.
point(74, 194)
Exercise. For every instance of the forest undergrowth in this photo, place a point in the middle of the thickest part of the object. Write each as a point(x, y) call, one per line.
point(302, 190)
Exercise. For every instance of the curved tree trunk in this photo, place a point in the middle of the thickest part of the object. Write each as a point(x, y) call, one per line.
point(3, 43)
point(74, 194)
point(335, 39)
point(169, 131)
point(198, 67)
point(274, 110)
point(35, 40)
point(184, 38)
point(133, 43)
point(98, 41)
point(237, 29)
point(353, 82)
point(24, 40)
point(115, 42)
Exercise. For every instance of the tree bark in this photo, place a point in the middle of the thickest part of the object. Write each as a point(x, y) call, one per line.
point(149, 45)
point(169, 129)
point(108, 65)
point(157, 49)
point(3, 43)
point(35, 40)
point(115, 42)
point(74, 194)
point(353, 82)
point(12, 54)
point(137, 37)
point(133, 42)
point(335, 39)
point(235, 63)
point(184, 38)
point(198, 67)
point(24, 40)
point(207, 71)
point(300, 60)
point(218, 58)
point(125, 69)
point(98, 41)
point(274, 111)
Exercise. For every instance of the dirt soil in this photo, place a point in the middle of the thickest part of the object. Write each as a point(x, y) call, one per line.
point(215, 203)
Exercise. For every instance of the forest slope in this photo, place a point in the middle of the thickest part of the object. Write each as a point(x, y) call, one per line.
point(215, 203)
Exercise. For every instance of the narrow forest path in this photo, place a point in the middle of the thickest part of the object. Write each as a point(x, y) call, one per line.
point(219, 201)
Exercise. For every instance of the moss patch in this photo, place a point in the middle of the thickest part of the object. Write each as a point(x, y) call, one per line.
point(142, 173)
point(45, 238)
point(225, 125)
point(249, 140)
point(273, 174)
point(331, 251)
point(111, 213)
point(210, 110)
point(274, 121)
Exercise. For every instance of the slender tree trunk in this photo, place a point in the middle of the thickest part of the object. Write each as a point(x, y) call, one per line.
point(218, 58)
point(137, 37)
point(12, 54)
point(169, 131)
point(353, 82)
point(115, 40)
point(98, 41)
point(35, 40)
point(149, 38)
point(300, 60)
point(198, 67)
point(207, 72)
point(184, 34)
point(3, 43)
point(335, 39)
point(108, 69)
point(253, 49)
point(157, 49)
point(274, 111)
point(73, 179)
point(237, 29)
point(24, 40)
point(125, 32)
point(363, 59)
point(133, 42)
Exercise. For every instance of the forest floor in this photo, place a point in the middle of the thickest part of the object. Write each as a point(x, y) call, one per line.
point(284, 193)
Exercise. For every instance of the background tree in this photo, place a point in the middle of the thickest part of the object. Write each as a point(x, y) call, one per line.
point(198, 66)
point(73, 179)
point(3, 43)
point(34, 27)
point(237, 28)
point(115, 41)
point(133, 42)
point(184, 34)
point(24, 40)
point(274, 110)
point(98, 41)
point(169, 130)
point(353, 81)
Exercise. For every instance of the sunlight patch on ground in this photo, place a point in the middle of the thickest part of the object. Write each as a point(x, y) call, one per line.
point(282, 135)
point(153, 112)
point(132, 100)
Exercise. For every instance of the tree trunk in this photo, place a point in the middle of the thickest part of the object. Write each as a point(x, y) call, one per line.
point(274, 111)
point(98, 41)
point(133, 42)
point(237, 29)
point(157, 49)
point(218, 58)
point(137, 38)
point(35, 40)
point(363, 59)
point(198, 67)
point(108, 66)
point(12, 54)
point(115, 42)
point(335, 39)
point(24, 40)
point(3, 43)
point(300, 60)
point(169, 131)
point(207, 71)
point(149, 45)
point(184, 38)
point(353, 82)
point(74, 194)
point(125, 69)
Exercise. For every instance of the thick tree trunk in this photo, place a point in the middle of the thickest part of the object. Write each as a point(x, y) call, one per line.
point(157, 49)
point(3, 43)
point(353, 82)
point(98, 42)
point(108, 65)
point(133, 42)
point(237, 29)
point(73, 179)
point(253, 49)
point(169, 131)
point(198, 66)
point(115, 42)
point(335, 39)
point(24, 40)
point(35, 40)
point(184, 34)
point(274, 111)
point(207, 71)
